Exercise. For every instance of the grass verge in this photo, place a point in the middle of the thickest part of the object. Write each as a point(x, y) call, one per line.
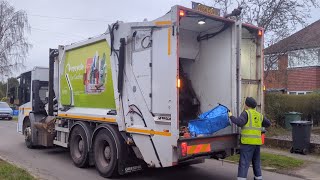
point(11, 172)
point(278, 162)
point(15, 118)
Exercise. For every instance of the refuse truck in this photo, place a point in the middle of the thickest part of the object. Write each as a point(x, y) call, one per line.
point(122, 101)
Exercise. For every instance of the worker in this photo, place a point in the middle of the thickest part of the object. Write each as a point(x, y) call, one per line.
point(251, 123)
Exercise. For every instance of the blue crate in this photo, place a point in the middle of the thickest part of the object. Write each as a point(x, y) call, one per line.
point(210, 122)
point(15, 112)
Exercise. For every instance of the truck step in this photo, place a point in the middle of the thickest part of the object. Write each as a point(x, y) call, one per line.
point(62, 129)
point(59, 143)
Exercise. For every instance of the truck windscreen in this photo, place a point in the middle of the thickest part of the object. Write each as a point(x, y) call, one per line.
point(24, 88)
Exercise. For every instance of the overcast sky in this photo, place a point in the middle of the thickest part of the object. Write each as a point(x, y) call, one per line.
point(51, 24)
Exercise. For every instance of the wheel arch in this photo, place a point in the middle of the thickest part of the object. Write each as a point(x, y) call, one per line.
point(25, 119)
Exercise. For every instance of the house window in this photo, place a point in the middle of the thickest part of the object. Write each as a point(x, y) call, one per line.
point(299, 92)
point(304, 58)
point(270, 62)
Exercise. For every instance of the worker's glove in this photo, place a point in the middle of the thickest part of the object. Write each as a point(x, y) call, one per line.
point(229, 115)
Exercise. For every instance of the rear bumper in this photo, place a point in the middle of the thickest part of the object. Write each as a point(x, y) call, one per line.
point(3, 116)
point(217, 147)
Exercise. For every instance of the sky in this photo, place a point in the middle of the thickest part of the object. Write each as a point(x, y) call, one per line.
point(62, 22)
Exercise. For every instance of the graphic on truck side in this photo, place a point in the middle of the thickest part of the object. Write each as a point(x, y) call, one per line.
point(95, 74)
point(89, 72)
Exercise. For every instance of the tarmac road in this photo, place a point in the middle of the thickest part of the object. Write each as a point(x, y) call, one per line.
point(56, 164)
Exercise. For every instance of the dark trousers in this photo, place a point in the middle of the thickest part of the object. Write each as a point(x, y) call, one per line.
point(248, 154)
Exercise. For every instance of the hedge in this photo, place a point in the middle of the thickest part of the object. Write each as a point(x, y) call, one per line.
point(276, 105)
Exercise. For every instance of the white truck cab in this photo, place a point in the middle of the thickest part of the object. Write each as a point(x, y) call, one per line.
point(25, 92)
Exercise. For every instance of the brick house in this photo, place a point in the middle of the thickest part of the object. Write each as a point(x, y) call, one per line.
point(293, 64)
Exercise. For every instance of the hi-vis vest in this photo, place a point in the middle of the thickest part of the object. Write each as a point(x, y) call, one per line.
point(251, 132)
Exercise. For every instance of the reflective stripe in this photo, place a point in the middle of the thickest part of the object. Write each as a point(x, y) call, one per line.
point(163, 23)
point(259, 177)
point(250, 136)
point(25, 108)
point(147, 131)
point(200, 148)
point(240, 178)
point(106, 119)
point(252, 128)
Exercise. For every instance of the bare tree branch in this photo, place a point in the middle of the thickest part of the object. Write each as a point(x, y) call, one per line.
point(279, 18)
point(14, 45)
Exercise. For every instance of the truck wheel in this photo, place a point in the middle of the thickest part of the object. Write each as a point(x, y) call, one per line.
point(291, 150)
point(27, 132)
point(105, 153)
point(304, 151)
point(79, 147)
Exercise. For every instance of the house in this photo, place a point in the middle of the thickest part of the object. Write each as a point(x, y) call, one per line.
point(293, 64)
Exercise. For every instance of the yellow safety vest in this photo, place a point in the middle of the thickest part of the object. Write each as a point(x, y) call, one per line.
point(251, 132)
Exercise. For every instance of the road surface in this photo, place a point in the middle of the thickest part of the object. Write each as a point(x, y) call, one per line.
point(56, 164)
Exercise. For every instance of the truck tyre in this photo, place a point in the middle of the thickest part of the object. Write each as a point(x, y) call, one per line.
point(27, 132)
point(79, 147)
point(304, 151)
point(105, 153)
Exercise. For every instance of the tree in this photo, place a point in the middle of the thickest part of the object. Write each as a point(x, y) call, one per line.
point(14, 45)
point(13, 83)
point(279, 18)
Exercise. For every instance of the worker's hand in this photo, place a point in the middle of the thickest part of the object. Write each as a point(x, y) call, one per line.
point(229, 113)
point(263, 130)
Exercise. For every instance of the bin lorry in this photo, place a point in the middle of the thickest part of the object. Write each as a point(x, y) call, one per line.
point(122, 101)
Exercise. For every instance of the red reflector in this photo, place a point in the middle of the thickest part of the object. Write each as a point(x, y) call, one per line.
point(262, 137)
point(184, 148)
point(182, 13)
point(200, 148)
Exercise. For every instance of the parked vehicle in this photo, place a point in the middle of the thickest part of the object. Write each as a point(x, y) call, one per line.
point(5, 111)
point(119, 101)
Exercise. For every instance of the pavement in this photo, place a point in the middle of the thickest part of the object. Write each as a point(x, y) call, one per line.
point(56, 164)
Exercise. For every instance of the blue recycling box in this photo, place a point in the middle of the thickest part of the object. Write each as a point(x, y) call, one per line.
point(15, 112)
point(210, 122)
